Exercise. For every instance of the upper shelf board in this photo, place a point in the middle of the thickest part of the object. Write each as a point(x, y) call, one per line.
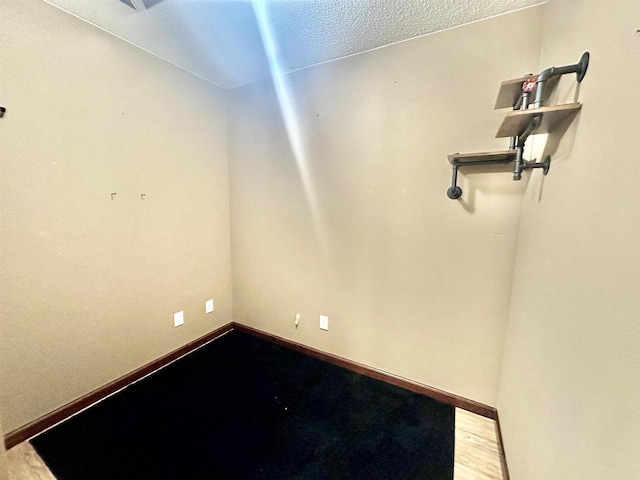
point(511, 90)
point(517, 121)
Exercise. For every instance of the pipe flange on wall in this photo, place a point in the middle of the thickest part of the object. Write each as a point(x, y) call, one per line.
point(583, 65)
point(454, 192)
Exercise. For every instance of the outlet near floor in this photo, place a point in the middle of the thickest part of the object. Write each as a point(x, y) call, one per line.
point(324, 322)
point(208, 306)
point(178, 318)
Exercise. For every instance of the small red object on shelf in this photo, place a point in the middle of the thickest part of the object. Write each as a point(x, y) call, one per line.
point(529, 85)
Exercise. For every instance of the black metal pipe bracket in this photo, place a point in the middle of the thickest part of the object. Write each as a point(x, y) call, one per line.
point(518, 165)
point(454, 191)
point(580, 69)
point(543, 165)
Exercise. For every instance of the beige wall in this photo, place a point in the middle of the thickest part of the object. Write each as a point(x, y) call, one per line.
point(412, 282)
point(570, 383)
point(3, 458)
point(89, 285)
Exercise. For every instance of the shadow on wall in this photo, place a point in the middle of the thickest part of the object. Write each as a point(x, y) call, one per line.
point(490, 178)
point(494, 180)
point(553, 148)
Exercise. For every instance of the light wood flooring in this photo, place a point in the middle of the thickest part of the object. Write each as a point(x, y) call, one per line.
point(25, 463)
point(476, 453)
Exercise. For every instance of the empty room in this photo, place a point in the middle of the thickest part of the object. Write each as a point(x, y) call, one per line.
point(319, 239)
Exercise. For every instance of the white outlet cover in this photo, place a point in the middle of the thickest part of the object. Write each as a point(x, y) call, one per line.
point(208, 306)
point(324, 322)
point(178, 318)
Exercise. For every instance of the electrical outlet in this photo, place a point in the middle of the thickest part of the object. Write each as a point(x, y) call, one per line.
point(324, 322)
point(208, 306)
point(178, 318)
point(297, 320)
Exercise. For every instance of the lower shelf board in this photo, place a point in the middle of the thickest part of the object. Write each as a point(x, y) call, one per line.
point(478, 158)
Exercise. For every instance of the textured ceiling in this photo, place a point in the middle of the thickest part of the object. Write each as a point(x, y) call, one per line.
point(220, 40)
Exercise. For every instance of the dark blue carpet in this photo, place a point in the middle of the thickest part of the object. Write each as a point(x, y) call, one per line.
point(246, 408)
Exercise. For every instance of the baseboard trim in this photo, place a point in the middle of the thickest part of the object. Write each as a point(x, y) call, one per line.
point(50, 419)
point(503, 456)
point(436, 394)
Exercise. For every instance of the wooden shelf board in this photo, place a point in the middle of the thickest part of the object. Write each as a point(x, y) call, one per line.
point(509, 92)
point(516, 121)
point(506, 155)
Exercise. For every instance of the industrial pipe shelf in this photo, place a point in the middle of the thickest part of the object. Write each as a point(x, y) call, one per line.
point(526, 96)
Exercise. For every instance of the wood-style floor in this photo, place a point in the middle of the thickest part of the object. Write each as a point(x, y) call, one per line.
point(476, 453)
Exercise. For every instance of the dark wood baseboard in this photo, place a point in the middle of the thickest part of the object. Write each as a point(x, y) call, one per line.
point(503, 456)
point(46, 421)
point(436, 394)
